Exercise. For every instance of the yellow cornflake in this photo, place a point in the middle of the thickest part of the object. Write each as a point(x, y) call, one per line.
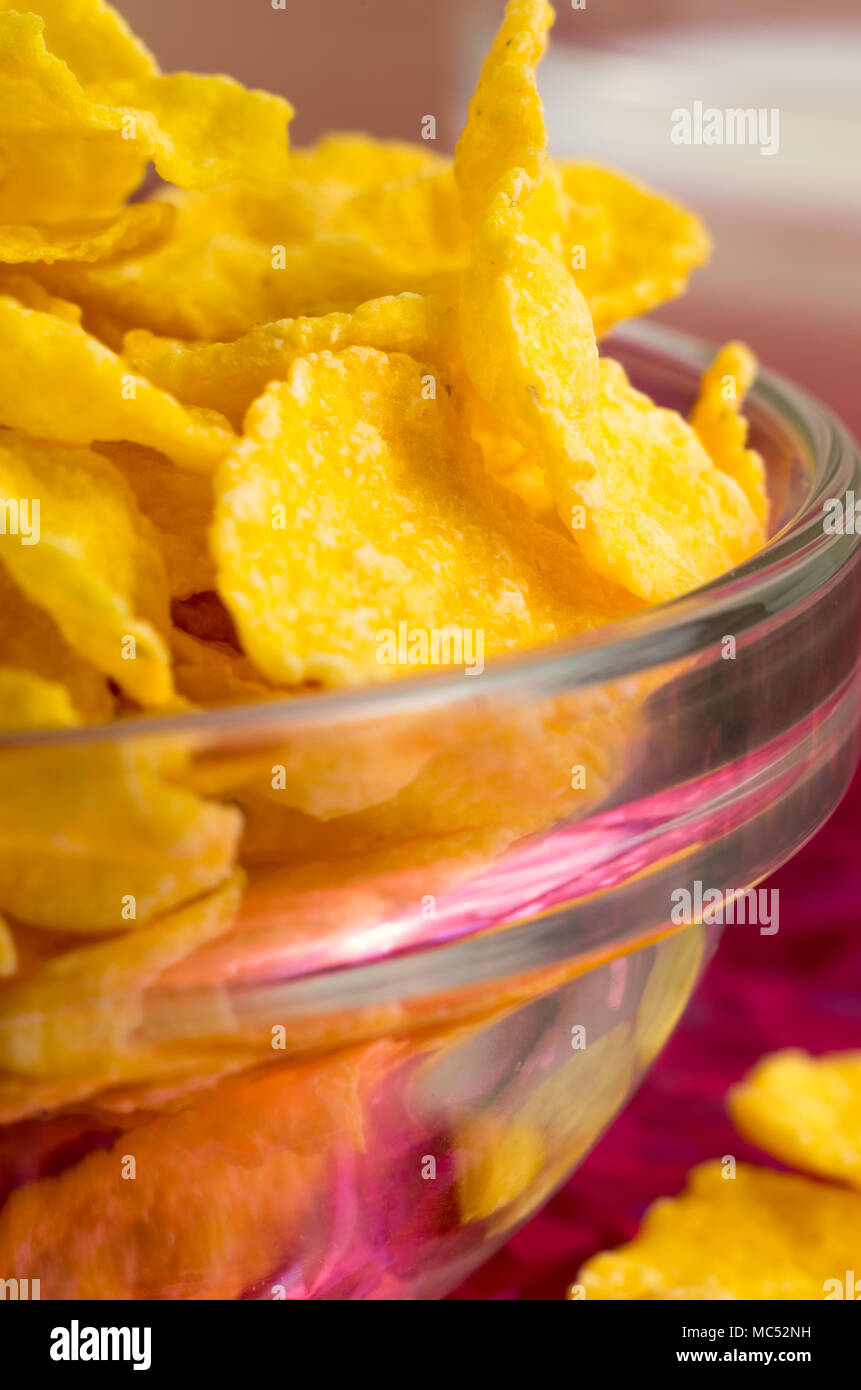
point(91, 563)
point(629, 248)
point(505, 127)
point(58, 382)
point(216, 285)
point(510, 462)
point(31, 642)
point(134, 228)
point(646, 505)
point(229, 376)
point(232, 1178)
point(668, 520)
point(179, 505)
point(722, 429)
point(33, 295)
point(91, 37)
point(358, 161)
point(804, 1110)
point(82, 1009)
point(203, 131)
point(528, 342)
point(198, 130)
point(31, 702)
point(497, 1160)
point(416, 221)
point(355, 480)
point(202, 283)
point(322, 180)
point(758, 1235)
point(63, 155)
point(95, 838)
point(212, 673)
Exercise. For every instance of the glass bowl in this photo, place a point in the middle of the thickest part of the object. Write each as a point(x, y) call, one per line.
point(344, 1056)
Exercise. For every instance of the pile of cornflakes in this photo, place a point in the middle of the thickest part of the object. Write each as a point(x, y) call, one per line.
point(299, 398)
point(299, 420)
point(744, 1232)
point(295, 403)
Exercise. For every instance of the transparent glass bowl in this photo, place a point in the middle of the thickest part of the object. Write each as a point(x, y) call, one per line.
point(451, 952)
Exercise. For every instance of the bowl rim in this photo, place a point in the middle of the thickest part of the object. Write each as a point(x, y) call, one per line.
point(800, 558)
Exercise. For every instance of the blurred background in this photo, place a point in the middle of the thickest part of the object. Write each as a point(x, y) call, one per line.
point(786, 276)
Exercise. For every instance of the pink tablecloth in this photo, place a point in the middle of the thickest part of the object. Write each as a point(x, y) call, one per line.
point(801, 989)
